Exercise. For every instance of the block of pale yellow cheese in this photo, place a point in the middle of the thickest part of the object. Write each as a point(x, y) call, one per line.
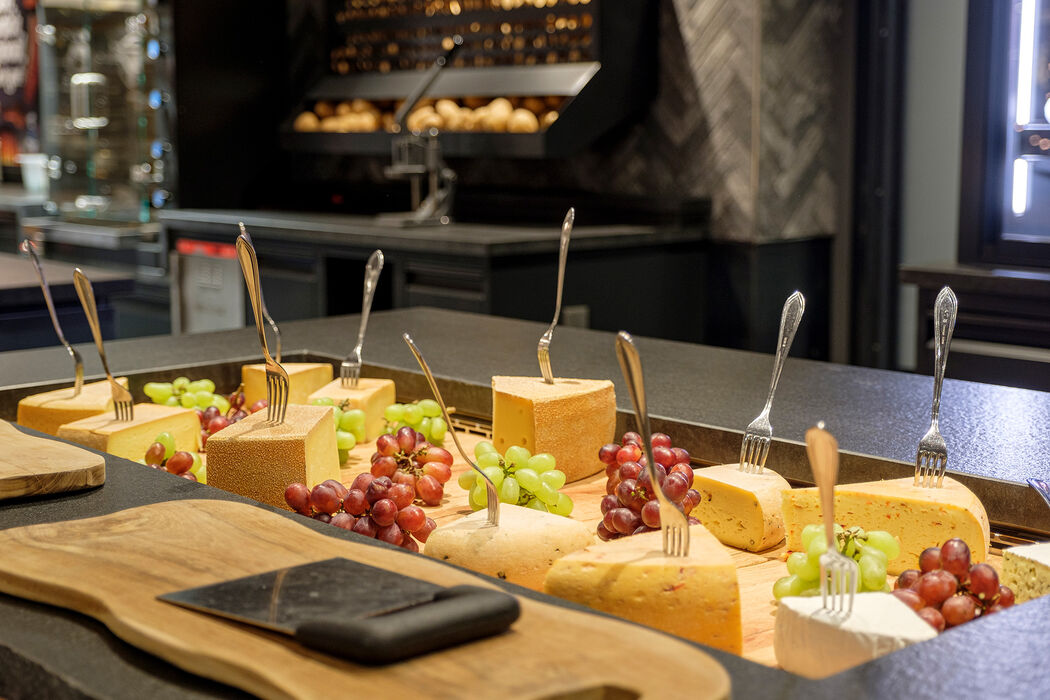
point(370, 395)
point(47, 411)
point(742, 510)
point(571, 419)
point(696, 597)
point(919, 517)
point(520, 550)
point(258, 460)
point(304, 378)
point(130, 440)
point(1026, 570)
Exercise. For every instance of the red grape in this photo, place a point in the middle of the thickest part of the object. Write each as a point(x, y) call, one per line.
point(429, 489)
point(1006, 597)
point(643, 528)
point(405, 478)
point(340, 490)
point(238, 415)
point(209, 413)
point(604, 533)
point(937, 586)
point(607, 454)
point(258, 406)
point(660, 440)
point(236, 399)
point(910, 598)
point(322, 517)
point(424, 532)
point(693, 521)
point(992, 609)
point(631, 437)
point(958, 609)
point(683, 469)
point(179, 462)
point(189, 476)
point(297, 496)
point(401, 495)
point(155, 454)
point(607, 520)
point(675, 487)
point(324, 499)
point(361, 482)
point(643, 478)
point(613, 483)
point(377, 489)
point(217, 423)
point(984, 582)
point(386, 445)
point(406, 439)
point(955, 559)
point(680, 455)
point(355, 502)
point(410, 544)
point(930, 559)
point(608, 503)
point(651, 514)
point(438, 470)
point(411, 518)
point(384, 512)
point(907, 579)
point(384, 466)
point(365, 526)
point(663, 456)
point(628, 453)
point(630, 470)
point(611, 469)
point(933, 617)
point(344, 520)
point(691, 500)
point(626, 492)
point(435, 454)
point(624, 520)
point(200, 417)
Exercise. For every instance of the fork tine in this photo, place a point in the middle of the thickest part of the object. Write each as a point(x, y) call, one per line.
point(763, 454)
point(743, 450)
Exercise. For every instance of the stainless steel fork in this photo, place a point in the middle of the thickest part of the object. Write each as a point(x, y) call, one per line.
point(276, 376)
point(839, 575)
point(673, 524)
point(493, 496)
point(759, 433)
point(29, 248)
point(123, 404)
point(931, 459)
point(350, 369)
point(544, 348)
point(265, 311)
point(1042, 488)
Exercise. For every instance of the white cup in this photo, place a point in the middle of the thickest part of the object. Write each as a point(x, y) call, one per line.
point(34, 172)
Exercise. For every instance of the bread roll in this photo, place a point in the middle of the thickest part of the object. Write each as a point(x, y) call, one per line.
point(522, 121)
point(324, 109)
point(548, 118)
point(333, 123)
point(342, 109)
point(501, 104)
point(306, 121)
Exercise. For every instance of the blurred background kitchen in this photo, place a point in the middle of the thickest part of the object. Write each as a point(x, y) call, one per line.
point(719, 154)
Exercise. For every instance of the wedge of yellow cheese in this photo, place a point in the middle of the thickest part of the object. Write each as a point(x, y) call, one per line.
point(919, 517)
point(258, 460)
point(131, 440)
point(370, 395)
point(571, 419)
point(696, 597)
point(47, 411)
point(742, 510)
point(1026, 570)
point(304, 378)
point(520, 550)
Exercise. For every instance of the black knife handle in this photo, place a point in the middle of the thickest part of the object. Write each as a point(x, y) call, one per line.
point(456, 615)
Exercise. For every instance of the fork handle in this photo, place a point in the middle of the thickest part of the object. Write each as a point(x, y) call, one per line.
point(372, 270)
point(29, 248)
point(563, 254)
point(823, 452)
point(945, 310)
point(87, 299)
point(631, 366)
point(790, 317)
point(250, 269)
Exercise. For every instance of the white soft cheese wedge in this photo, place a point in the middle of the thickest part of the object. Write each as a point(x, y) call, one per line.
point(742, 510)
point(1026, 570)
point(696, 597)
point(371, 395)
point(521, 550)
point(810, 642)
point(304, 378)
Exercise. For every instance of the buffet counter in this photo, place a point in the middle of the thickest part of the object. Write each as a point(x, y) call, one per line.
point(704, 396)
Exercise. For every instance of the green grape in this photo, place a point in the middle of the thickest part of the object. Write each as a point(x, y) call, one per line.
point(197, 463)
point(413, 414)
point(796, 561)
point(359, 434)
point(884, 542)
point(337, 415)
point(424, 427)
point(838, 529)
point(168, 440)
point(542, 462)
point(810, 570)
point(220, 402)
point(495, 475)
point(810, 591)
point(537, 504)
point(483, 447)
point(345, 440)
point(188, 400)
point(529, 479)
point(202, 474)
point(869, 551)
point(323, 401)
point(394, 413)
point(195, 387)
point(343, 456)
point(509, 490)
point(546, 494)
point(488, 459)
point(430, 408)
point(872, 573)
point(518, 456)
point(850, 550)
point(563, 506)
point(157, 391)
point(179, 384)
point(141, 461)
point(172, 401)
point(787, 586)
point(202, 399)
point(553, 478)
point(817, 546)
point(207, 385)
point(479, 497)
point(352, 420)
point(809, 532)
point(438, 429)
point(466, 479)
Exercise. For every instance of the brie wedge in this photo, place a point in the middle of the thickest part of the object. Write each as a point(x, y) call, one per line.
point(1026, 570)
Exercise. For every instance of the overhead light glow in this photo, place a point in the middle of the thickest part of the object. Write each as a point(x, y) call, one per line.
point(1020, 198)
point(1024, 63)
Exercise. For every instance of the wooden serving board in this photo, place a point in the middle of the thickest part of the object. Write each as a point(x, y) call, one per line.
point(31, 465)
point(113, 567)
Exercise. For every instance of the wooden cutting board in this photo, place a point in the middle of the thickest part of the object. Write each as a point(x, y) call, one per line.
point(31, 465)
point(112, 568)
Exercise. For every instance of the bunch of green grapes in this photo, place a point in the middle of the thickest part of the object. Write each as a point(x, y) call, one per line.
point(162, 455)
point(422, 416)
point(349, 425)
point(520, 478)
point(188, 394)
point(871, 550)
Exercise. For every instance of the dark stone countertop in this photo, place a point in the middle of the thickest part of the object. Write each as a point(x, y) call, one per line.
point(879, 415)
point(19, 285)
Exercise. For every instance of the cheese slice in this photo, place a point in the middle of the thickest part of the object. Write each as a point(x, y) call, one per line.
point(1026, 570)
point(370, 395)
point(520, 550)
point(742, 510)
point(304, 378)
point(257, 460)
point(919, 517)
point(571, 419)
point(696, 597)
point(47, 411)
point(130, 440)
point(813, 643)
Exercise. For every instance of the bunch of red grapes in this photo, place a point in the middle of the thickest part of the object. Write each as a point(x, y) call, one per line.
point(946, 590)
point(407, 458)
point(212, 420)
point(630, 504)
point(372, 506)
point(178, 464)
